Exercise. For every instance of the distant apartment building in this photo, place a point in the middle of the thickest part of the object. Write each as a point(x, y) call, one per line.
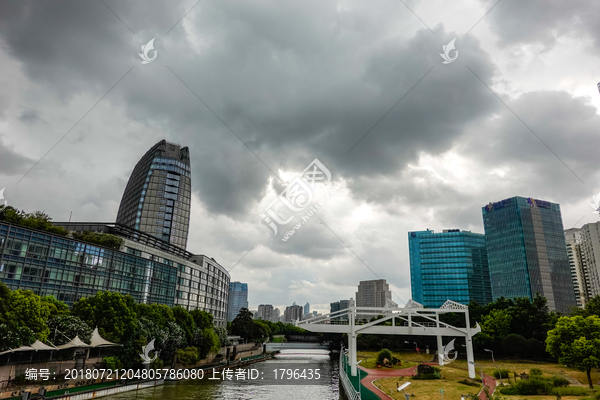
point(293, 313)
point(526, 249)
point(265, 312)
point(238, 299)
point(590, 249)
point(307, 308)
point(578, 265)
point(373, 293)
point(337, 306)
point(449, 265)
point(276, 315)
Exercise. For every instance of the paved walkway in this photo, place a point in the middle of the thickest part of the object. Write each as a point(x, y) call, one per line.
point(380, 373)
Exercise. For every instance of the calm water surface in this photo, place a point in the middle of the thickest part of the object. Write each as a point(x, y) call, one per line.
point(209, 390)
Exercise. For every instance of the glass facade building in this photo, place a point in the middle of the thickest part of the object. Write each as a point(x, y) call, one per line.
point(158, 194)
point(451, 265)
point(238, 299)
point(53, 265)
point(527, 251)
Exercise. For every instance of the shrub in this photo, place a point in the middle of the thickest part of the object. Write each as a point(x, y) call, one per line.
point(558, 381)
point(535, 372)
point(384, 353)
point(504, 373)
point(570, 391)
point(426, 372)
point(188, 356)
point(113, 362)
point(469, 383)
point(533, 387)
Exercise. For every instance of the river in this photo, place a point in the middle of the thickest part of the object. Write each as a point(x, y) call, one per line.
point(327, 389)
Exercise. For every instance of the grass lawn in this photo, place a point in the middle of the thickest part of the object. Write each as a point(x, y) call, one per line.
point(547, 369)
point(370, 359)
point(430, 390)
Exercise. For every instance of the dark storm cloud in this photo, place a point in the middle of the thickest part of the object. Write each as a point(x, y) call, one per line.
point(12, 162)
point(291, 91)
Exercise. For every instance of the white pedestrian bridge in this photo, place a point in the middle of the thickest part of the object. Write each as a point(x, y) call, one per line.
point(412, 319)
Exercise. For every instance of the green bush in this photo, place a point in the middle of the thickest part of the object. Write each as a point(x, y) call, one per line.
point(383, 354)
point(535, 372)
point(504, 373)
point(113, 362)
point(533, 387)
point(188, 356)
point(469, 383)
point(570, 391)
point(427, 372)
point(558, 381)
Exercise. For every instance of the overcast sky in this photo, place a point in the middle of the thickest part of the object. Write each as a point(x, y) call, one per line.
point(516, 113)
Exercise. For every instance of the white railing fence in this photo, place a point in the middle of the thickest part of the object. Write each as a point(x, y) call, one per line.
point(345, 383)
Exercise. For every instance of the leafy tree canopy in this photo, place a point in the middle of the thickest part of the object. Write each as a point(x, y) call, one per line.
point(113, 314)
point(575, 341)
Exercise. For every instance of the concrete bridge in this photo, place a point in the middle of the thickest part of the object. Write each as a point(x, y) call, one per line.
point(296, 346)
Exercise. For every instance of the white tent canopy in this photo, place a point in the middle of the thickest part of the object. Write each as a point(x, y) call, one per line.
point(35, 346)
point(76, 342)
point(99, 341)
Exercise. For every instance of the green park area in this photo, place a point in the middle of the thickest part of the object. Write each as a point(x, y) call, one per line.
point(557, 381)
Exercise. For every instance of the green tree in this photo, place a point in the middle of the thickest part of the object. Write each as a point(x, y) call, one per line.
point(514, 345)
point(202, 319)
point(243, 324)
point(113, 314)
point(26, 309)
point(496, 324)
point(185, 321)
point(12, 337)
point(56, 307)
point(207, 341)
point(260, 331)
point(64, 327)
point(222, 334)
point(592, 307)
point(575, 342)
point(160, 314)
point(188, 356)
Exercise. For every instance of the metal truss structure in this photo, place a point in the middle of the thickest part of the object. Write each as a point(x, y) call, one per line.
point(412, 319)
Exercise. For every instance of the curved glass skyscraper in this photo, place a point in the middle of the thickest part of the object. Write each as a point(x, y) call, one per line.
point(157, 196)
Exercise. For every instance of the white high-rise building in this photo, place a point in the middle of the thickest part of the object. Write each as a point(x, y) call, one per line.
point(578, 266)
point(590, 249)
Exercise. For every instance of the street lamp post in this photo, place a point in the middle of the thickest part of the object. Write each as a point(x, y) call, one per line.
point(494, 361)
point(359, 384)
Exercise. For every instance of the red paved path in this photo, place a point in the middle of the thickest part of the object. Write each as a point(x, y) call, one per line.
point(375, 374)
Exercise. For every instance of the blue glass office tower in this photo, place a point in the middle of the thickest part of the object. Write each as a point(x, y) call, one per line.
point(238, 299)
point(527, 252)
point(451, 265)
